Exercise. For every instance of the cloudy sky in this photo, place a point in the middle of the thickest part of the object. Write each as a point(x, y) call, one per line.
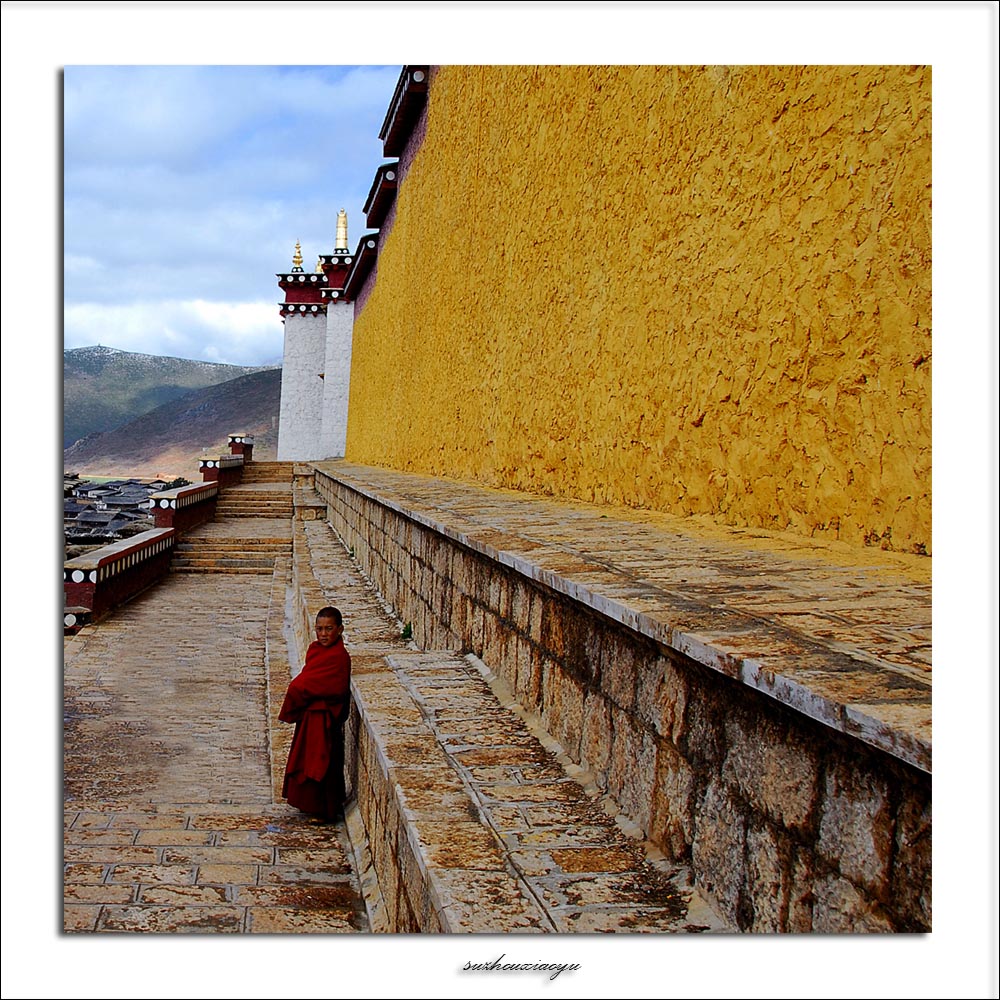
point(186, 188)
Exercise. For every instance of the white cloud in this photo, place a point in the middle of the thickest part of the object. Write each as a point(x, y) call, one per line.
point(239, 333)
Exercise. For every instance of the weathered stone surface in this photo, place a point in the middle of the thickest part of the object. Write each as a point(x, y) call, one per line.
point(563, 710)
point(594, 859)
point(672, 811)
point(172, 919)
point(717, 853)
point(278, 920)
point(80, 917)
point(800, 893)
point(81, 873)
point(97, 893)
point(778, 777)
point(227, 874)
point(182, 895)
point(839, 908)
point(595, 738)
point(911, 868)
point(460, 845)
point(174, 838)
point(767, 880)
point(485, 902)
point(618, 670)
point(152, 874)
point(702, 742)
point(856, 826)
point(633, 767)
point(661, 695)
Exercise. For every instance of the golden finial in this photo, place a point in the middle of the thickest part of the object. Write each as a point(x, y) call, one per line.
point(297, 257)
point(319, 265)
point(341, 230)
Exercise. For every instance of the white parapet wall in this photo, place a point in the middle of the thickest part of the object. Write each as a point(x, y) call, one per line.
point(301, 416)
point(337, 379)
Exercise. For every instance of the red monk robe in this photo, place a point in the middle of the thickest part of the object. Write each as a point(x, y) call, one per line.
point(317, 703)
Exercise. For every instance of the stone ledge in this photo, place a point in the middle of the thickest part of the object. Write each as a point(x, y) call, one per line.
point(483, 829)
point(842, 638)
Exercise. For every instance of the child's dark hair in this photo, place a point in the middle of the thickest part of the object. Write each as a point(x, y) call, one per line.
point(333, 613)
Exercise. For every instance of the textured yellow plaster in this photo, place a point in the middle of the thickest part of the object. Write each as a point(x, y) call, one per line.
point(701, 291)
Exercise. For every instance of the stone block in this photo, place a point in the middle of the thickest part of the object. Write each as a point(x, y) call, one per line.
point(443, 600)
point(800, 893)
point(531, 696)
point(618, 669)
point(461, 611)
point(633, 767)
point(910, 882)
point(595, 739)
point(520, 605)
point(672, 815)
point(564, 710)
point(767, 878)
point(661, 695)
point(538, 602)
point(476, 629)
point(494, 590)
point(522, 668)
point(704, 723)
point(491, 639)
point(855, 833)
point(776, 773)
point(839, 908)
point(486, 902)
point(553, 628)
point(719, 848)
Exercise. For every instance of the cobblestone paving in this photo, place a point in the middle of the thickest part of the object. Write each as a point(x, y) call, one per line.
point(170, 825)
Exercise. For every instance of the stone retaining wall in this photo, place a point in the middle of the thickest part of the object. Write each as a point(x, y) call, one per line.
point(790, 825)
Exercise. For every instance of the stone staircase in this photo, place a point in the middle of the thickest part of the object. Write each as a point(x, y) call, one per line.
point(201, 554)
point(268, 472)
point(252, 526)
point(250, 501)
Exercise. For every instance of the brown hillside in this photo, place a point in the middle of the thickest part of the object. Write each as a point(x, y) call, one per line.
point(169, 440)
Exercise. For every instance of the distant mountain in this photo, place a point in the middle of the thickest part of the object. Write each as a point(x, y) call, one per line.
point(169, 440)
point(104, 388)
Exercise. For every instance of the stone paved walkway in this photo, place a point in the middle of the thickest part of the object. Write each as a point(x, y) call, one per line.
point(170, 823)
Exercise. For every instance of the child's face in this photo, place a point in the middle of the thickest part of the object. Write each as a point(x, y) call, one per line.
point(328, 631)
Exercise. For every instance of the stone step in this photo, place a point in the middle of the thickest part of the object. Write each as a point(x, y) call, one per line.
point(249, 546)
point(262, 562)
point(249, 570)
point(254, 512)
point(489, 830)
point(252, 506)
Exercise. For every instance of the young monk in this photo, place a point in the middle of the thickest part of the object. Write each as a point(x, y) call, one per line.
point(317, 702)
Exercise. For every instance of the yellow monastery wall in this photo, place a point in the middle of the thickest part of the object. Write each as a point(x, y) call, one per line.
point(696, 290)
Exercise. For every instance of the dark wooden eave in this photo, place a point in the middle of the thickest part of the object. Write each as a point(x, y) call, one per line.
point(404, 109)
point(364, 260)
point(381, 195)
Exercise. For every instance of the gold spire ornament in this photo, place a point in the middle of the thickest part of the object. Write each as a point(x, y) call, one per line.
point(341, 231)
point(319, 265)
point(297, 257)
